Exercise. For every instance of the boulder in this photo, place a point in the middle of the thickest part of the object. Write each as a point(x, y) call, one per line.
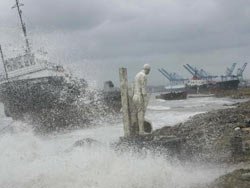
point(85, 142)
point(236, 179)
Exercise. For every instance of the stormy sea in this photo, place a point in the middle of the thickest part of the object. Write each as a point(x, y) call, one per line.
point(85, 157)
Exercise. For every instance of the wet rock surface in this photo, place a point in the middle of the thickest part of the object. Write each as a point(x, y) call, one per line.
point(170, 147)
point(236, 179)
point(85, 142)
point(216, 136)
point(209, 136)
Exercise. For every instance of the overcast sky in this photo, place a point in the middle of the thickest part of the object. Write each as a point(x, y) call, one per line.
point(96, 37)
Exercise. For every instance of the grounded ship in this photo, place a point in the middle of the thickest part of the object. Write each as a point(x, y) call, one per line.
point(32, 84)
point(175, 95)
point(174, 92)
point(39, 88)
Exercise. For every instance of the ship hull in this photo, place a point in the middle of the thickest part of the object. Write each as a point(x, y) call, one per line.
point(173, 96)
point(213, 88)
point(48, 100)
point(225, 85)
point(195, 89)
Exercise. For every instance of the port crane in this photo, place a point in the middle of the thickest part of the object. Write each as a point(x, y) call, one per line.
point(198, 73)
point(240, 72)
point(177, 82)
point(192, 71)
point(165, 75)
point(229, 72)
point(206, 75)
point(172, 77)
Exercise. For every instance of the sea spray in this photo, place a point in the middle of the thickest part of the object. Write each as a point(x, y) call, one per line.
point(32, 160)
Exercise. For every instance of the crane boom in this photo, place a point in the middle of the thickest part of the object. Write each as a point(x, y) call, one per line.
point(229, 71)
point(243, 68)
point(165, 75)
point(196, 72)
point(171, 75)
point(190, 71)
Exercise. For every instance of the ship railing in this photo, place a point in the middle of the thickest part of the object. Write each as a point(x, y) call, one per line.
point(26, 70)
point(37, 67)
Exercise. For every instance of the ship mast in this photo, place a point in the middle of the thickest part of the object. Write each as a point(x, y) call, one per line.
point(18, 5)
point(5, 69)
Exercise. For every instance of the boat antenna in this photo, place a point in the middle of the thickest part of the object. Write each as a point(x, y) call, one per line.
point(5, 69)
point(18, 5)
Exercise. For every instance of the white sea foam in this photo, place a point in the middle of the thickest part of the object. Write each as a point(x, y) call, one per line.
point(28, 160)
point(31, 161)
point(161, 119)
point(158, 108)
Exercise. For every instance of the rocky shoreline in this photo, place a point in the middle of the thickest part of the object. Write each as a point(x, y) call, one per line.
point(209, 136)
point(219, 136)
point(205, 137)
point(239, 178)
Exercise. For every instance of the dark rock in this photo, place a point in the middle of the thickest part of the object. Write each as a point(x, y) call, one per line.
point(246, 176)
point(236, 147)
point(210, 136)
point(247, 121)
point(85, 142)
point(237, 179)
point(147, 126)
point(170, 146)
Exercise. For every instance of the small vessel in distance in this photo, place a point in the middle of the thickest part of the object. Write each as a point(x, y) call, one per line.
point(176, 90)
point(174, 95)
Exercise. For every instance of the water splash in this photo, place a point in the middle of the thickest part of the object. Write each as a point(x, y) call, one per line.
point(31, 161)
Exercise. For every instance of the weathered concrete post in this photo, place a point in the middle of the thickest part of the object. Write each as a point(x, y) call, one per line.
point(125, 101)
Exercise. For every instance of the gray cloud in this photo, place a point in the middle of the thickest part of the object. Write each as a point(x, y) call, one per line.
point(110, 33)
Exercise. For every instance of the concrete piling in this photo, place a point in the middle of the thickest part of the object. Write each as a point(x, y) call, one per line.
point(125, 102)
